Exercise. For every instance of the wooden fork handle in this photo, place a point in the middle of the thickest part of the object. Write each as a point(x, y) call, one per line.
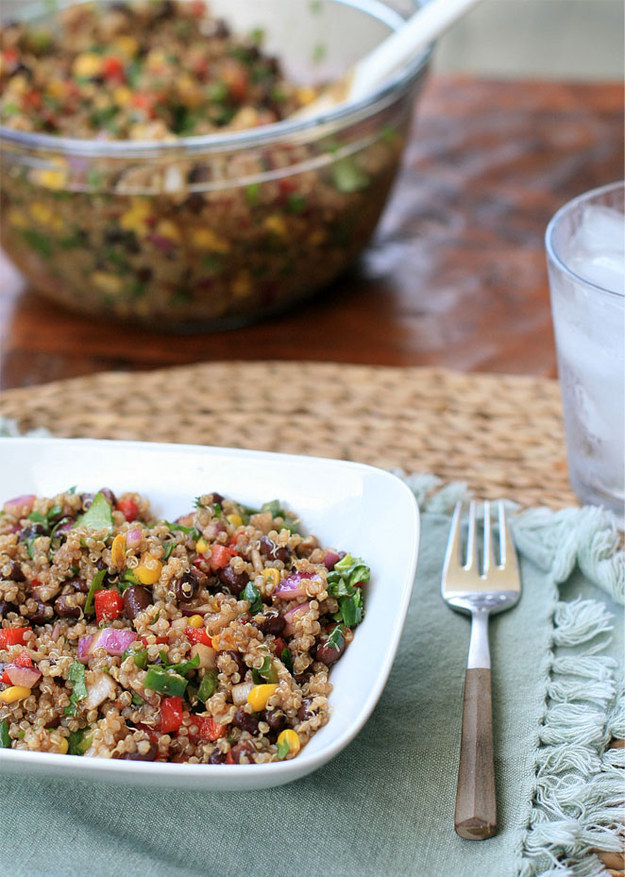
point(476, 805)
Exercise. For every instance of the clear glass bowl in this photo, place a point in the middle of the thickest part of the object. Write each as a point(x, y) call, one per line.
point(216, 231)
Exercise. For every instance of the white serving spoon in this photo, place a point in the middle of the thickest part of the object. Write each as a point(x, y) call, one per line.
point(392, 53)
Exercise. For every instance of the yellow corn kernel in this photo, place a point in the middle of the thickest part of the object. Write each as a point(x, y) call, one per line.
point(290, 738)
point(271, 575)
point(52, 179)
point(235, 519)
point(135, 219)
point(259, 695)
point(63, 746)
point(108, 283)
point(17, 218)
point(56, 88)
point(149, 570)
point(201, 545)
point(276, 225)
point(87, 65)
point(205, 239)
point(118, 550)
point(127, 45)
point(16, 692)
point(41, 213)
point(168, 229)
point(122, 95)
point(196, 621)
point(306, 94)
point(241, 286)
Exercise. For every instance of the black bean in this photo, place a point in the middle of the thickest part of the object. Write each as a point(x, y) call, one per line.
point(238, 657)
point(136, 599)
point(16, 573)
point(6, 607)
point(246, 748)
point(65, 608)
point(144, 274)
point(78, 584)
point(275, 718)
point(195, 202)
point(246, 721)
point(268, 548)
point(108, 494)
point(272, 623)
point(236, 581)
point(187, 587)
point(150, 755)
point(305, 711)
point(87, 499)
point(31, 532)
point(42, 613)
point(216, 498)
point(216, 757)
point(329, 654)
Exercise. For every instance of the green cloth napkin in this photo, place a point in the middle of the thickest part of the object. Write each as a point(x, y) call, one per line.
point(385, 805)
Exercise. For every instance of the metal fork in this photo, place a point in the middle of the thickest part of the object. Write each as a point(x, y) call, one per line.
point(479, 592)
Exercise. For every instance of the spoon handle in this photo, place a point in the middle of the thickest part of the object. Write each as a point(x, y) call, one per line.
point(414, 36)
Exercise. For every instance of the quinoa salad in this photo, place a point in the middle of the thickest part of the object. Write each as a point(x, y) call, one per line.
point(206, 640)
point(180, 237)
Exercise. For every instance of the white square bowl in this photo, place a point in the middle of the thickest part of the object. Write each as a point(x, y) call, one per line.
point(349, 506)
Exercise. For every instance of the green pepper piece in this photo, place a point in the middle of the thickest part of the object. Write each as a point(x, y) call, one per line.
point(5, 740)
point(165, 681)
point(79, 741)
point(208, 685)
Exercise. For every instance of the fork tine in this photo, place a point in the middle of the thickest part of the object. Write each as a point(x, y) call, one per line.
point(471, 538)
point(452, 552)
point(508, 552)
point(489, 557)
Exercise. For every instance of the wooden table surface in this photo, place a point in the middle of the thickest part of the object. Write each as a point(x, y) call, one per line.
point(455, 275)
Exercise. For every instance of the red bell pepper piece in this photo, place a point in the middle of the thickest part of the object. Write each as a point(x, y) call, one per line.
point(208, 728)
point(24, 660)
point(109, 604)
point(128, 508)
point(12, 636)
point(6, 678)
point(220, 556)
point(113, 69)
point(171, 714)
point(198, 635)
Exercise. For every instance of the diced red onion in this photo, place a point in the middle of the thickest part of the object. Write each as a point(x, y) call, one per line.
point(65, 527)
point(289, 616)
point(134, 537)
point(26, 676)
point(294, 585)
point(331, 558)
point(112, 640)
point(56, 630)
point(85, 648)
point(189, 610)
point(20, 506)
point(240, 692)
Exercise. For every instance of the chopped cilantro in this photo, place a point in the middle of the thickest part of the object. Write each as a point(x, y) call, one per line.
point(98, 516)
point(76, 676)
point(250, 592)
point(96, 583)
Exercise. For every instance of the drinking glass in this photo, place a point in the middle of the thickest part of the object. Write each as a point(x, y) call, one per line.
point(585, 244)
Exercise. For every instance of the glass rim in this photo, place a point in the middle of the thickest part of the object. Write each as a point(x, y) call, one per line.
point(555, 258)
point(343, 115)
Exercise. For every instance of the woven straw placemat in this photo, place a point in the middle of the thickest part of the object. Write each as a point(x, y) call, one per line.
point(502, 435)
